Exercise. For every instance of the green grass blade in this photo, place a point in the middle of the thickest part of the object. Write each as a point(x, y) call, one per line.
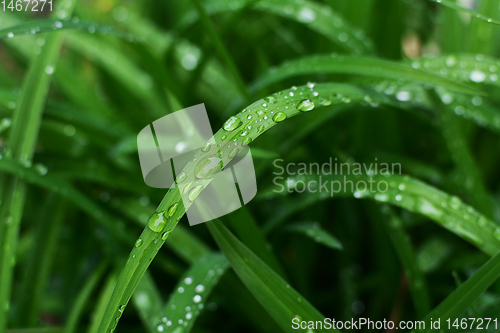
point(49, 25)
point(404, 249)
point(281, 301)
point(22, 140)
point(190, 294)
point(463, 297)
point(184, 243)
point(148, 301)
point(248, 231)
point(362, 66)
point(318, 234)
point(66, 190)
point(40, 262)
point(462, 67)
point(413, 195)
point(452, 130)
point(262, 115)
point(82, 298)
point(453, 5)
point(103, 300)
point(317, 17)
point(219, 46)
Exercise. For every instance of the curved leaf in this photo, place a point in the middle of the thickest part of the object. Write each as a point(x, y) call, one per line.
point(405, 192)
point(453, 5)
point(367, 67)
point(316, 16)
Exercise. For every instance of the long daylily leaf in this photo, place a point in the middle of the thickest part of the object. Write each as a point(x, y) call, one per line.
point(358, 66)
point(47, 25)
point(453, 5)
point(408, 193)
point(190, 295)
point(316, 16)
point(277, 297)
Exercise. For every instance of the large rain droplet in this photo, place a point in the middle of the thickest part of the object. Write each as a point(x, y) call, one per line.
point(232, 123)
point(193, 194)
point(305, 105)
point(279, 117)
point(157, 222)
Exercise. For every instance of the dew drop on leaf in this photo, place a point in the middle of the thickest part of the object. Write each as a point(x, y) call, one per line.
point(171, 211)
point(279, 117)
point(193, 194)
point(305, 105)
point(157, 222)
point(182, 177)
point(232, 123)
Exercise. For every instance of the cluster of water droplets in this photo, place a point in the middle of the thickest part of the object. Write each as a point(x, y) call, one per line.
point(189, 299)
point(449, 210)
point(477, 68)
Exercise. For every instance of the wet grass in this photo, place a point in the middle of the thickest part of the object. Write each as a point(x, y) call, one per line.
point(413, 83)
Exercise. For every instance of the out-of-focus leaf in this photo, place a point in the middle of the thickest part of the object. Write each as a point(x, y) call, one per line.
point(190, 295)
point(453, 5)
point(318, 234)
point(363, 66)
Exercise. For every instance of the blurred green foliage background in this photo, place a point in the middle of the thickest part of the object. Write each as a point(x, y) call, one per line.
point(79, 83)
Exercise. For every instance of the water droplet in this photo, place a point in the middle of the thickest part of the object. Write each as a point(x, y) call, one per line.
point(207, 147)
point(139, 242)
point(497, 234)
point(305, 105)
point(197, 298)
point(403, 96)
point(247, 141)
point(199, 288)
point(10, 35)
point(49, 70)
point(325, 102)
point(232, 123)
point(160, 328)
point(188, 280)
point(455, 202)
point(181, 177)
point(233, 152)
point(270, 99)
point(244, 133)
point(157, 222)
point(41, 169)
point(172, 209)
point(279, 117)
point(193, 194)
point(260, 129)
point(165, 235)
point(477, 76)
point(208, 166)
point(306, 15)
point(58, 25)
